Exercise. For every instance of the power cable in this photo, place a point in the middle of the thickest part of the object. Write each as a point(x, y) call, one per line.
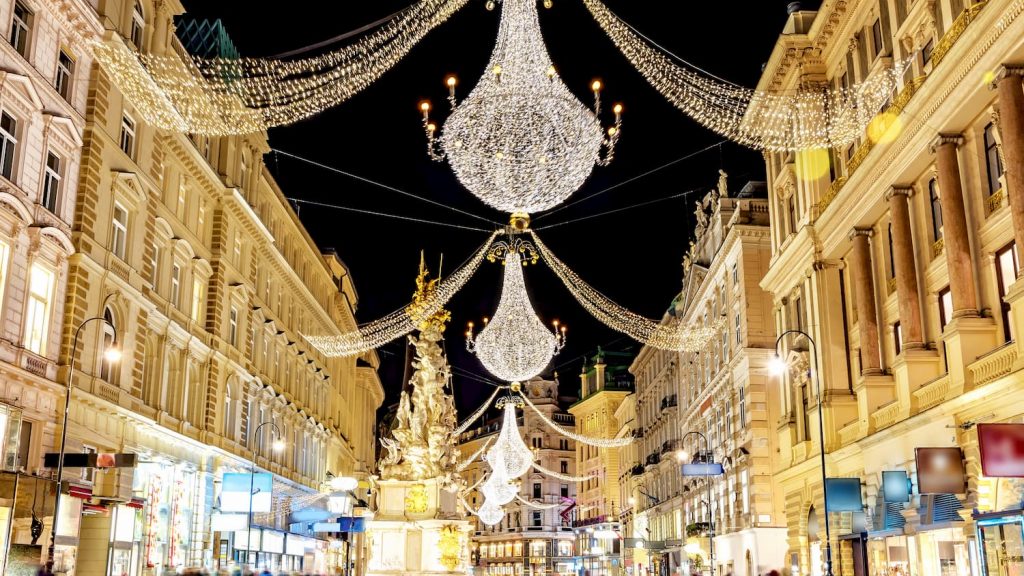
point(386, 215)
point(385, 186)
point(337, 38)
point(623, 209)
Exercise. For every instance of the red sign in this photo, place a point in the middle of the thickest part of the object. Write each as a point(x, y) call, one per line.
point(1002, 450)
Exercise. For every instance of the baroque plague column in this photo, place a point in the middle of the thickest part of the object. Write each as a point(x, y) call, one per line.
point(418, 528)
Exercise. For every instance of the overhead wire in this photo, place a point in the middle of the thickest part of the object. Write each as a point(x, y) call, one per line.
point(623, 209)
point(387, 215)
point(339, 37)
point(384, 186)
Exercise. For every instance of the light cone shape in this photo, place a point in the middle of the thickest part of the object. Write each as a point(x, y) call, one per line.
point(515, 345)
point(521, 141)
point(497, 489)
point(509, 457)
point(490, 513)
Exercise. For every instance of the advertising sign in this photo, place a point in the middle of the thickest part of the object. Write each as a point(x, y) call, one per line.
point(1002, 450)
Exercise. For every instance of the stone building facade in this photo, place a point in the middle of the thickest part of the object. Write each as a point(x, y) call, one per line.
point(908, 246)
point(527, 541)
point(184, 252)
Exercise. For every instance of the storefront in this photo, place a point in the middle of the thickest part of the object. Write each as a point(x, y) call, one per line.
point(165, 531)
point(888, 555)
point(25, 501)
point(1001, 535)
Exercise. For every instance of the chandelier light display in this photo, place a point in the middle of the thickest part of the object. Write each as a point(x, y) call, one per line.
point(498, 489)
point(596, 442)
point(509, 457)
point(521, 141)
point(397, 324)
point(764, 120)
point(490, 513)
point(515, 345)
point(673, 336)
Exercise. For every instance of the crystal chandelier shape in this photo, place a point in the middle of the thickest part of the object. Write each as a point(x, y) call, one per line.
point(498, 488)
point(515, 345)
point(521, 141)
point(509, 457)
point(490, 513)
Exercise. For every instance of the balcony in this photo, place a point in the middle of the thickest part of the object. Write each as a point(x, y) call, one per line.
point(670, 446)
point(636, 470)
point(669, 402)
point(638, 433)
point(653, 459)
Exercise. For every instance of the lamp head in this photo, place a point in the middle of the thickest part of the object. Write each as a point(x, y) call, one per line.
point(278, 445)
point(682, 456)
point(777, 365)
point(113, 353)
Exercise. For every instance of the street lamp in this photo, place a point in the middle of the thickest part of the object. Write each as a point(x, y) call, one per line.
point(277, 446)
point(112, 355)
point(779, 366)
point(682, 456)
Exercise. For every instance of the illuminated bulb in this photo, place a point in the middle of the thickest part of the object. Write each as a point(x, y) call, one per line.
point(617, 109)
point(425, 106)
point(596, 86)
point(112, 354)
point(497, 69)
point(548, 3)
point(681, 455)
point(452, 81)
point(777, 365)
point(499, 155)
point(612, 131)
point(431, 127)
point(551, 72)
point(278, 445)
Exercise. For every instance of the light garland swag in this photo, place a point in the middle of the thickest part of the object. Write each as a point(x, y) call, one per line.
point(589, 441)
point(476, 415)
point(468, 461)
point(763, 120)
point(535, 505)
point(399, 323)
point(673, 336)
point(560, 476)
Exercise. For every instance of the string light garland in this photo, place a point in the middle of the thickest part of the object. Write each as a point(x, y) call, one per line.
point(515, 345)
point(560, 476)
point(399, 323)
point(225, 96)
point(764, 120)
point(672, 335)
point(476, 415)
point(490, 513)
point(499, 489)
point(535, 505)
point(595, 442)
point(521, 141)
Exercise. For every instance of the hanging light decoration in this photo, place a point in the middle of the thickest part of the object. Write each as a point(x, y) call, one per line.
point(509, 457)
point(490, 513)
point(515, 345)
point(521, 141)
point(499, 489)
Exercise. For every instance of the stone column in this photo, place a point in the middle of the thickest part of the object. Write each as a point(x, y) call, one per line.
point(867, 313)
point(1011, 129)
point(954, 223)
point(906, 270)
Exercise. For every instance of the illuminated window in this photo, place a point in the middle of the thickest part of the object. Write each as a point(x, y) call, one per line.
point(108, 371)
point(197, 299)
point(175, 285)
point(8, 144)
point(51, 182)
point(37, 316)
point(119, 231)
point(127, 140)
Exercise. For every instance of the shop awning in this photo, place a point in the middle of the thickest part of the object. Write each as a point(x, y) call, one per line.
point(83, 492)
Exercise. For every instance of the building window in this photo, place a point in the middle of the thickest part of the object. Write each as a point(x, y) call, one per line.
point(5, 251)
point(236, 255)
point(21, 26)
point(65, 74)
point(926, 52)
point(791, 211)
point(735, 274)
point(128, 135)
point(741, 403)
point(798, 313)
point(897, 337)
point(108, 372)
point(892, 254)
point(51, 182)
point(945, 307)
point(119, 231)
point(138, 25)
point(233, 326)
point(936, 209)
point(993, 162)
point(564, 491)
point(8, 144)
point(536, 442)
point(536, 520)
point(739, 333)
point(805, 400)
point(563, 467)
point(175, 285)
point(536, 490)
point(197, 299)
point(876, 37)
point(154, 267)
point(88, 473)
point(1007, 267)
point(37, 316)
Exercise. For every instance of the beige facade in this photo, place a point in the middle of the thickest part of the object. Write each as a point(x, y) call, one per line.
point(907, 282)
point(43, 101)
point(207, 280)
point(721, 394)
point(605, 382)
point(527, 541)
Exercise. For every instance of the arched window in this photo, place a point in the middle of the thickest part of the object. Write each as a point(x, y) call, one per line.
point(108, 370)
point(936, 208)
point(138, 25)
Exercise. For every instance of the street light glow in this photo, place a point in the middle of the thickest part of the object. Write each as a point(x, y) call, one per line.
point(344, 483)
point(777, 365)
point(278, 445)
point(682, 455)
point(112, 354)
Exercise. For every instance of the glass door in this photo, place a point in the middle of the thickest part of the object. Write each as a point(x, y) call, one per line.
point(1003, 548)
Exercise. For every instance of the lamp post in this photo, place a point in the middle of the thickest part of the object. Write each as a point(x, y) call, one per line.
point(682, 457)
point(111, 354)
point(779, 367)
point(276, 446)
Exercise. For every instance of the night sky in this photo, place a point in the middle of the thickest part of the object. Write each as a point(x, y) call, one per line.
point(634, 256)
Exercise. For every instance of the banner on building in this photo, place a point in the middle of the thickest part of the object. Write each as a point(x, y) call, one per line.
point(895, 486)
point(703, 469)
point(940, 471)
point(246, 492)
point(220, 522)
point(843, 495)
point(1002, 450)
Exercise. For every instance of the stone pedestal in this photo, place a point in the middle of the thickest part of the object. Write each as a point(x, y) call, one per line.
point(911, 369)
point(417, 530)
point(967, 338)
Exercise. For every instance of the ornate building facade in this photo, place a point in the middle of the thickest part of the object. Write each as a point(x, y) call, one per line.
point(43, 100)
point(188, 256)
point(908, 246)
point(720, 393)
point(528, 541)
point(605, 382)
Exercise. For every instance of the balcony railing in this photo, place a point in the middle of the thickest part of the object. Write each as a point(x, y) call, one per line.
point(636, 470)
point(669, 402)
point(653, 459)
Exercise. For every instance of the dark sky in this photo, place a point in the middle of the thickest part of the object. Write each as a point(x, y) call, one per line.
point(633, 257)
